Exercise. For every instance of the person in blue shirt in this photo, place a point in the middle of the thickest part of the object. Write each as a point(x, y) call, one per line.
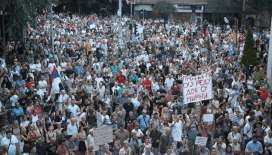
point(144, 120)
point(80, 69)
point(114, 68)
point(20, 82)
point(18, 112)
point(114, 124)
point(254, 146)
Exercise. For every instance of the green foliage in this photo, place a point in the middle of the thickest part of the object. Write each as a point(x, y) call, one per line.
point(224, 8)
point(21, 12)
point(249, 53)
point(163, 9)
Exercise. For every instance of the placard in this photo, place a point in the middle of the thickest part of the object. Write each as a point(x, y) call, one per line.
point(201, 140)
point(233, 116)
point(197, 88)
point(177, 135)
point(102, 135)
point(207, 117)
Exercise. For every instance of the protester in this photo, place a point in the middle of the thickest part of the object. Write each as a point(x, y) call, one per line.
point(134, 83)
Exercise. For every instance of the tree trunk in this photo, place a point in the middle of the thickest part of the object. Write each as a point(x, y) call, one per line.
point(4, 36)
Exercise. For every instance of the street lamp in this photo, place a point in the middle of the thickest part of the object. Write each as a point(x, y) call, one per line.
point(131, 2)
point(119, 13)
point(52, 39)
point(226, 19)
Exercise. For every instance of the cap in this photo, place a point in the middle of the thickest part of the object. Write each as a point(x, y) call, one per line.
point(218, 126)
point(136, 124)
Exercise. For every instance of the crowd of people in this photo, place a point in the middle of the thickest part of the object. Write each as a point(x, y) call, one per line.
point(135, 82)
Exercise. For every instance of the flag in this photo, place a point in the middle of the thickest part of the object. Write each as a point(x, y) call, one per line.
point(226, 20)
point(55, 80)
point(91, 22)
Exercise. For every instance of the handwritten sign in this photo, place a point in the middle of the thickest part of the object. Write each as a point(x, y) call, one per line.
point(201, 140)
point(197, 88)
point(102, 135)
point(207, 117)
point(233, 116)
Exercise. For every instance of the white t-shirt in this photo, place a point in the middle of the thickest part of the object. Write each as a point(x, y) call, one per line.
point(268, 140)
point(74, 109)
point(248, 131)
point(266, 129)
point(169, 83)
point(11, 143)
point(42, 84)
point(138, 133)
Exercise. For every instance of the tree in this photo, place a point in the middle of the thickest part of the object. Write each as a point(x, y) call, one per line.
point(223, 8)
point(21, 12)
point(249, 53)
point(163, 9)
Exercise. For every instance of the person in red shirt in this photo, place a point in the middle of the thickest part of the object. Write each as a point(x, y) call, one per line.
point(264, 94)
point(147, 83)
point(121, 78)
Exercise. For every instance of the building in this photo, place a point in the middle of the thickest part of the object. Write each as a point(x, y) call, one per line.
point(187, 10)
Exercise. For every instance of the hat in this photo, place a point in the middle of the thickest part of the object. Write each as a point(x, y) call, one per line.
point(34, 89)
point(218, 126)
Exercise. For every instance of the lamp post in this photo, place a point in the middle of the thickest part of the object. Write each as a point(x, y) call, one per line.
point(52, 39)
point(269, 65)
point(119, 13)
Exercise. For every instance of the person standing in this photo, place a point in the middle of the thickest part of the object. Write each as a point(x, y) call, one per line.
point(121, 134)
point(11, 142)
point(254, 146)
point(144, 120)
point(268, 141)
point(40, 146)
point(155, 136)
point(164, 141)
point(52, 147)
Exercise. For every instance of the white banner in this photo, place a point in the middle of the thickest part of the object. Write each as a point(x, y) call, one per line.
point(208, 118)
point(103, 135)
point(197, 88)
point(201, 140)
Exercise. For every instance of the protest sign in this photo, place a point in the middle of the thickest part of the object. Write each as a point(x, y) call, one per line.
point(201, 140)
point(197, 88)
point(102, 135)
point(177, 135)
point(207, 117)
point(233, 116)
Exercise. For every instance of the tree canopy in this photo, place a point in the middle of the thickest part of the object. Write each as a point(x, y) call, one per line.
point(163, 9)
point(222, 8)
point(21, 12)
point(249, 53)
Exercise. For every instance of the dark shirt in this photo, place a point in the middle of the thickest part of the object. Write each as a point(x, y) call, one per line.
point(21, 50)
point(217, 135)
point(52, 149)
point(128, 108)
point(41, 150)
